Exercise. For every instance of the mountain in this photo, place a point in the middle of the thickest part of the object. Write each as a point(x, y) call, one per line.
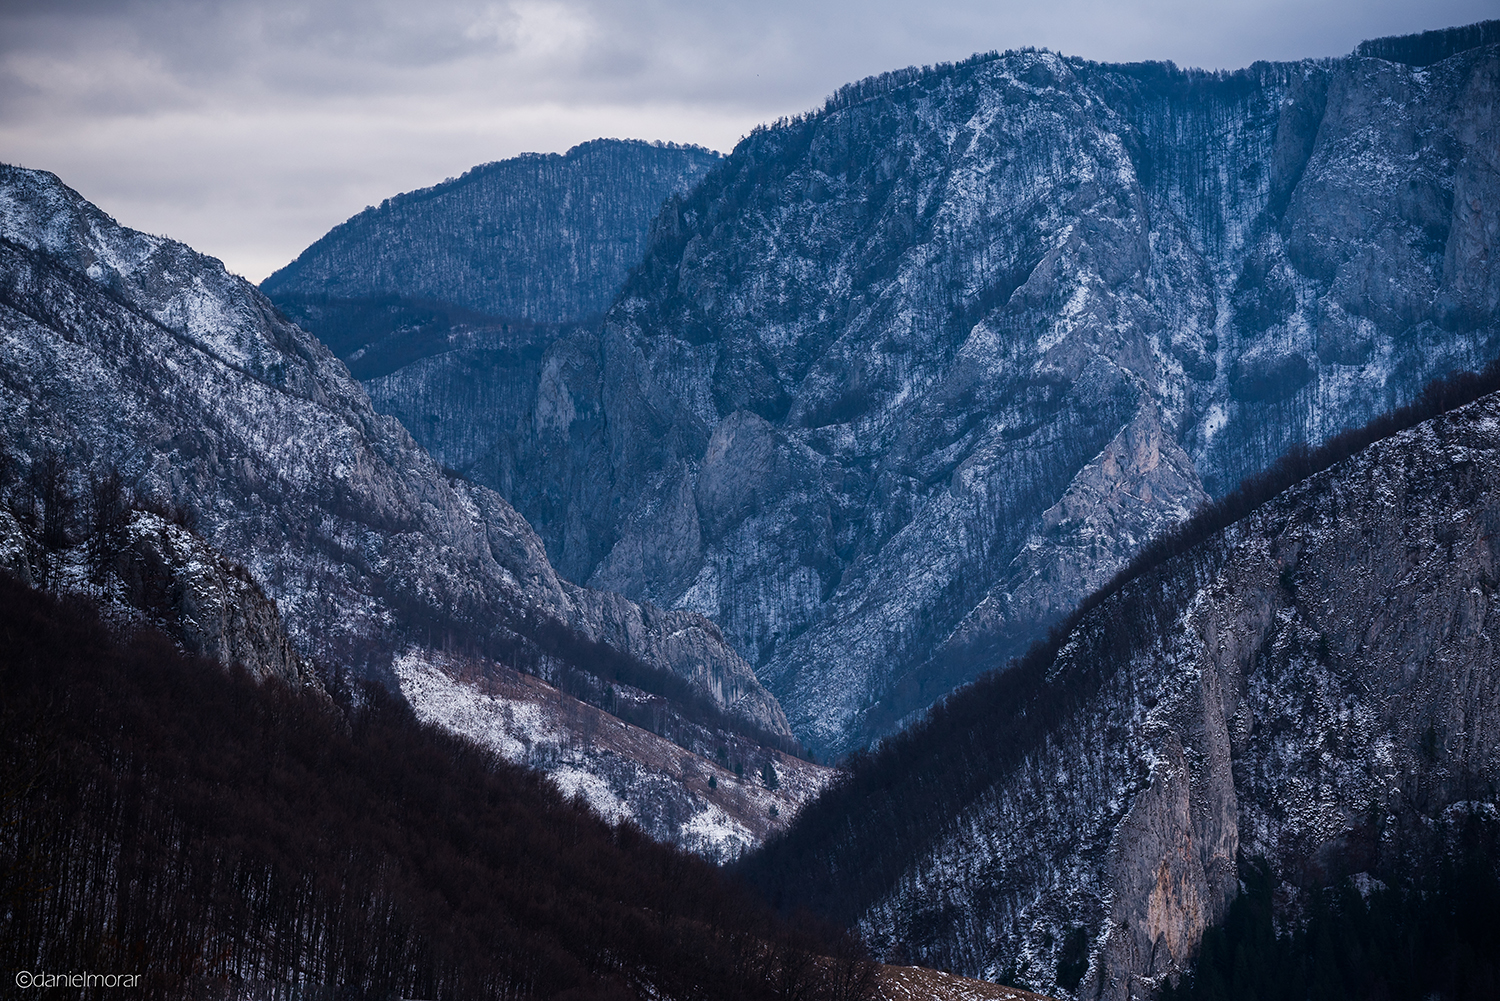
point(443, 301)
point(903, 379)
point(127, 352)
point(545, 237)
point(1312, 691)
point(187, 832)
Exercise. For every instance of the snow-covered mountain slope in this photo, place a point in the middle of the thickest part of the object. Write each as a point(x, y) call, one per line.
point(903, 379)
point(119, 347)
point(624, 771)
point(542, 237)
point(1316, 685)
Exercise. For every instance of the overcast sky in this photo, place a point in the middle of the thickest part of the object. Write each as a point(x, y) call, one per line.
point(249, 129)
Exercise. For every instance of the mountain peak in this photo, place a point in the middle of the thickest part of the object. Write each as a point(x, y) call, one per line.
point(542, 237)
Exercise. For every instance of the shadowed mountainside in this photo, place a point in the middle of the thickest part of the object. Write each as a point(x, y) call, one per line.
point(1315, 684)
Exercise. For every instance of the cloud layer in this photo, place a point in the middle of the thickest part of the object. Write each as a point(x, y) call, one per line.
point(249, 129)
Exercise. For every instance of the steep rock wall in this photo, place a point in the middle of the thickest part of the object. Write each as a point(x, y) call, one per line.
point(948, 296)
point(208, 602)
point(164, 574)
point(1317, 686)
point(127, 348)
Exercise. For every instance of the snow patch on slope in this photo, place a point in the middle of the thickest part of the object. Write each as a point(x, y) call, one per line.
point(622, 772)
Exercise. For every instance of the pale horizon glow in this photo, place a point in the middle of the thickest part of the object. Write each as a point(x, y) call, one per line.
point(248, 129)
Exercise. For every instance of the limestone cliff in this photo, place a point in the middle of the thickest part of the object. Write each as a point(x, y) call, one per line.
point(211, 604)
point(162, 574)
point(858, 403)
point(1318, 685)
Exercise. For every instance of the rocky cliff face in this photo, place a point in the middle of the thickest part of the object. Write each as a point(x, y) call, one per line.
point(542, 237)
point(1317, 686)
point(903, 379)
point(129, 349)
point(210, 603)
point(159, 572)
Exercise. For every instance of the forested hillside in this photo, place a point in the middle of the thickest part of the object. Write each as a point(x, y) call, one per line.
point(223, 837)
point(1305, 675)
point(541, 237)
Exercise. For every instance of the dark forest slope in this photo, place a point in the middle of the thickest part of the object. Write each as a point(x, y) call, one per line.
point(220, 837)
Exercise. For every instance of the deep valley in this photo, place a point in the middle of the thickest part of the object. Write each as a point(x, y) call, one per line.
point(1028, 528)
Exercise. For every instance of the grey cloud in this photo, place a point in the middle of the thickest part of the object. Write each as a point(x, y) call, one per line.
point(250, 128)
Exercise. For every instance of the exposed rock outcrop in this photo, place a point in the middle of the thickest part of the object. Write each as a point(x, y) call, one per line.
point(162, 573)
point(857, 403)
point(1317, 686)
point(121, 348)
point(209, 603)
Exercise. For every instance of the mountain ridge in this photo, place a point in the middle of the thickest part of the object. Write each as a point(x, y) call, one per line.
point(500, 250)
point(1314, 683)
point(1024, 255)
point(125, 349)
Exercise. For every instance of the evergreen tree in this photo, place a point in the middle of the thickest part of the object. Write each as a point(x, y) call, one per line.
point(768, 775)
